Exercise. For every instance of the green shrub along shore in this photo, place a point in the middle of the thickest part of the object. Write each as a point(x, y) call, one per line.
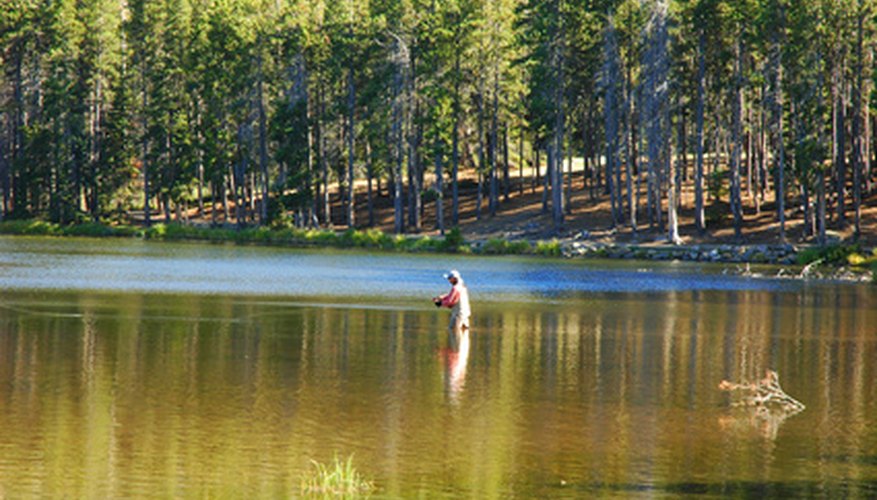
point(375, 239)
point(840, 255)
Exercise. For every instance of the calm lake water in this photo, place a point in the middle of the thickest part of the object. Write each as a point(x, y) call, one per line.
point(136, 369)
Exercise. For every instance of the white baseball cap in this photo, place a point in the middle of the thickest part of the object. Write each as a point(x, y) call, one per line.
point(453, 273)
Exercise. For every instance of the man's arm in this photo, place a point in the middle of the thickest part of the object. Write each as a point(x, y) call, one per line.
point(451, 298)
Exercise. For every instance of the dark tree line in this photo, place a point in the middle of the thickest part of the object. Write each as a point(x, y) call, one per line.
point(260, 112)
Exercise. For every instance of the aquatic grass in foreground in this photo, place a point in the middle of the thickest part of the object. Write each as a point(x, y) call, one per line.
point(338, 479)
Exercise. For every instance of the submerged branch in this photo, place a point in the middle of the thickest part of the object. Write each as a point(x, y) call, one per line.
point(764, 394)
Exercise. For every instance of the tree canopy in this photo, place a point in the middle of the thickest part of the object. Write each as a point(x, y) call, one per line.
point(259, 112)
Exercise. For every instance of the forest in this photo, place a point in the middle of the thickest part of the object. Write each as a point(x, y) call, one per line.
point(278, 112)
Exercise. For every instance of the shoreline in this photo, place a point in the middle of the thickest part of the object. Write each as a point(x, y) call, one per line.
point(836, 262)
point(783, 258)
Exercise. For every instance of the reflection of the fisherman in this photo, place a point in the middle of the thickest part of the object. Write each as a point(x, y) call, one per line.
point(455, 357)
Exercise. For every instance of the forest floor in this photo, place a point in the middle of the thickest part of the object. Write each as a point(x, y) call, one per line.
point(521, 217)
point(588, 218)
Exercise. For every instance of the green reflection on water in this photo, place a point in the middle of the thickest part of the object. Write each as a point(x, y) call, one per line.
point(115, 395)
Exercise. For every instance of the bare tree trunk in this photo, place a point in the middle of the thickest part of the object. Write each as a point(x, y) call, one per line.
point(16, 135)
point(800, 165)
point(558, 134)
point(439, 190)
point(611, 75)
point(95, 134)
point(351, 150)
point(818, 170)
point(637, 177)
point(557, 139)
point(587, 151)
point(672, 202)
point(479, 199)
point(616, 184)
point(369, 177)
point(228, 186)
point(737, 137)
point(239, 173)
point(324, 162)
point(630, 147)
point(774, 102)
point(809, 220)
point(298, 95)
point(857, 120)
point(400, 59)
point(652, 202)
point(200, 170)
point(168, 147)
point(455, 145)
point(521, 162)
point(699, 218)
point(421, 175)
point(506, 178)
point(760, 149)
point(482, 153)
point(838, 118)
point(492, 153)
point(567, 207)
point(656, 110)
point(546, 179)
point(866, 135)
point(672, 192)
point(554, 169)
point(820, 204)
point(263, 145)
point(5, 154)
point(684, 175)
point(747, 134)
point(145, 151)
point(559, 201)
point(413, 111)
point(214, 196)
point(251, 196)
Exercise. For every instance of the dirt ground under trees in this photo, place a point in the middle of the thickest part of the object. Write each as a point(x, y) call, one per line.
point(521, 216)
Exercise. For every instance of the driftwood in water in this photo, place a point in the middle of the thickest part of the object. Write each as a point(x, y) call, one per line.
point(765, 394)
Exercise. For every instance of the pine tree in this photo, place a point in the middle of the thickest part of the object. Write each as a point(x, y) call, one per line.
point(609, 78)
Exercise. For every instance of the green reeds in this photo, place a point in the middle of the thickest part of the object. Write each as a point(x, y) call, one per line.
point(339, 478)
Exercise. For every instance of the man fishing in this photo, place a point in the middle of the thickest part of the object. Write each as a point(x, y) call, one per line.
point(457, 300)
